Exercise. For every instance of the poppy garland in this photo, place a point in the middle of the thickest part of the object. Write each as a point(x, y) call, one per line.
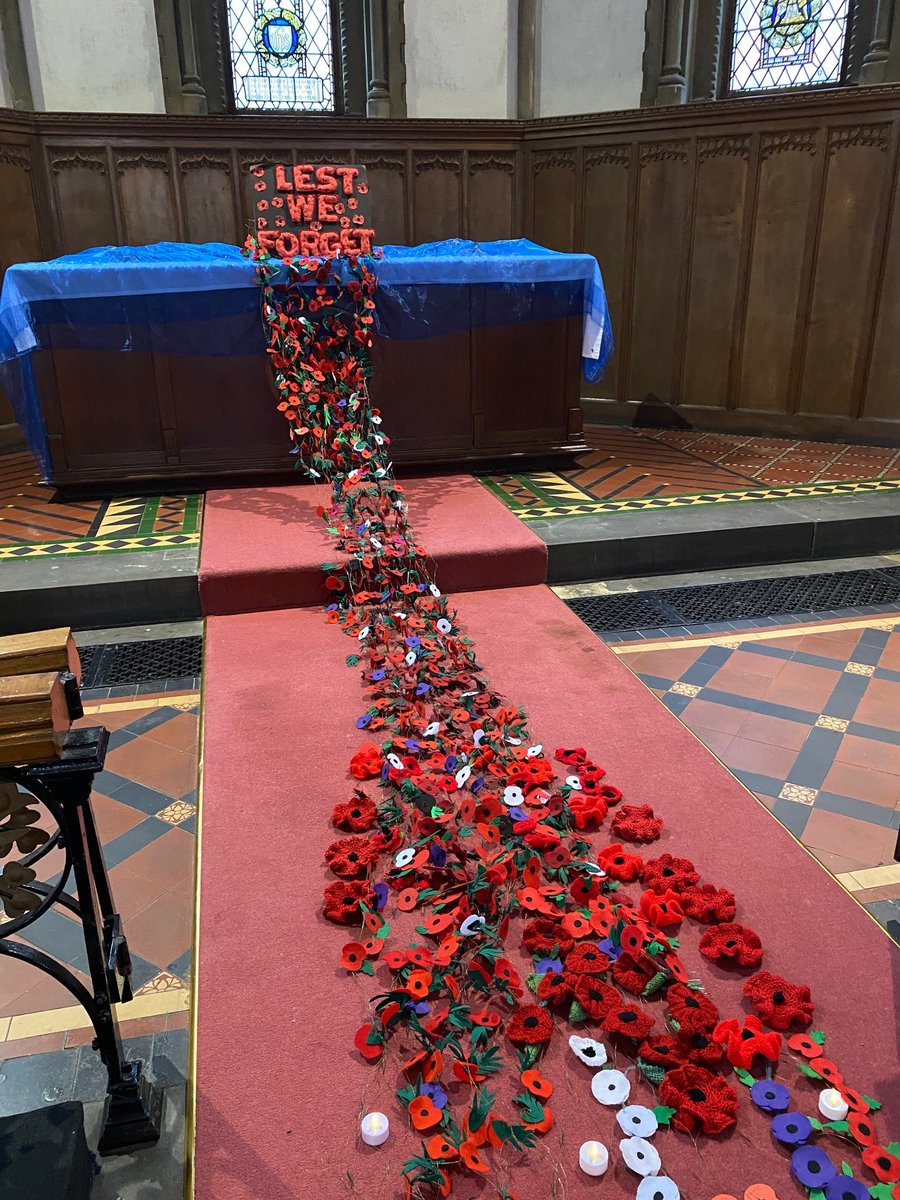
point(472, 828)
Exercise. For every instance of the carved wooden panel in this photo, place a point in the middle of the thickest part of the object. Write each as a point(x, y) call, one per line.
point(491, 208)
point(880, 401)
point(207, 188)
point(386, 174)
point(19, 236)
point(607, 179)
point(83, 198)
point(554, 186)
point(437, 195)
point(146, 198)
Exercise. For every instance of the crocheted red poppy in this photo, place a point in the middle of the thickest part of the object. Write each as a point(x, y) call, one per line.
point(700, 1048)
point(702, 1101)
point(663, 909)
point(636, 823)
point(586, 959)
point(628, 1021)
point(631, 975)
point(554, 988)
point(342, 901)
point(587, 810)
point(530, 1025)
point(541, 935)
point(661, 1051)
point(780, 1004)
point(590, 773)
point(668, 873)
point(693, 1011)
point(612, 795)
point(707, 903)
point(531, 773)
point(542, 838)
point(367, 762)
point(744, 1042)
point(571, 757)
point(595, 996)
point(732, 943)
point(619, 864)
point(350, 857)
point(358, 815)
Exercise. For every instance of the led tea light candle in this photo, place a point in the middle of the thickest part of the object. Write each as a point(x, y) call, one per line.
point(375, 1128)
point(832, 1105)
point(593, 1158)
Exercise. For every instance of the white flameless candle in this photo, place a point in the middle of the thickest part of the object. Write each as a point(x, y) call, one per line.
point(375, 1128)
point(593, 1158)
point(832, 1105)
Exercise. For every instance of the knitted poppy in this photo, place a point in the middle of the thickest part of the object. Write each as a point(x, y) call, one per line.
point(662, 910)
point(732, 943)
point(618, 864)
point(708, 904)
point(350, 857)
point(542, 838)
point(356, 815)
point(586, 810)
point(691, 1009)
point(541, 935)
point(699, 1047)
point(882, 1163)
point(590, 772)
point(595, 996)
point(744, 1042)
point(367, 762)
point(636, 823)
point(668, 873)
point(554, 988)
point(631, 975)
point(612, 795)
point(342, 901)
point(628, 1021)
point(586, 959)
point(572, 758)
point(530, 1025)
point(662, 1050)
point(702, 1101)
point(779, 1003)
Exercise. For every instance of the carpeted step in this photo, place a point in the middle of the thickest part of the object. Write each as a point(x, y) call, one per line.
point(280, 1089)
point(263, 548)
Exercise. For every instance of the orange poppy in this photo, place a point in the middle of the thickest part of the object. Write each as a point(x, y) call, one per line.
point(432, 1066)
point(420, 955)
point(408, 899)
point(542, 1126)
point(353, 956)
point(438, 922)
point(418, 983)
point(373, 946)
point(439, 1147)
point(472, 1159)
point(490, 833)
point(467, 1071)
point(576, 925)
point(423, 1113)
point(529, 898)
point(535, 1083)
point(372, 922)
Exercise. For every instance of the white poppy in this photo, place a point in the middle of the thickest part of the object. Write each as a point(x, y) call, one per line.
point(375, 542)
point(471, 925)
point(640, 1156)
point(590, 1052)
point(514, 741)
point(395, 762)
point(574, 783)
point(513, 796)
point(434, 589)
point(404, 857)
point(431, 730)
point(462, 775)
point(610, 1087)
point(478, 737)
point(637, 1121)
point(363, 633)
point(375, 420)
point(658, 1187)
point(534, 751)
point(410, 658)
point(444, 625)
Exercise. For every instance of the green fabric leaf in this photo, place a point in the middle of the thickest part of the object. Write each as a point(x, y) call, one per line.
point(651, 1071)
point(532, 1109)
point(882, 1191)
point(516, 1136)
point(817, 1125)
point(533, 982)
point(807, 1070)
point(352, 660)
point(838, 1126)
point(663, 1114)
point(818, 1037)
point(745, 1077)
point(367, 968)
point(846, 1169)
point(816, 1194)
point(893, 1148)
point(482, 1103)
point(874, 1105)
point(655, 983)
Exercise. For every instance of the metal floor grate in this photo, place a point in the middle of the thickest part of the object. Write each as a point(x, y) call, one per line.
point(140, 662)
point(739, 601)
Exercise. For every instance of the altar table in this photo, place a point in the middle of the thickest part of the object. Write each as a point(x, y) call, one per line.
point(148, 363)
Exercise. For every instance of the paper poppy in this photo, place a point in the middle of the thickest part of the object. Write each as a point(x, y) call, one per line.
point(423, 1113)
point(732, 943)
point(533, 1081)
point(708, 903)
point(357, 816)
point(628, 1021)
point(577, 925)
point(438, 1147)
point(610, 1087)
point(668, 873)
point(489, 1020)
point(418, 983)
point(470, 1158)
point(770, 1096)
point(693, 1010)
point(884, 1165)
point(703, 1102)
point(636, 823)
point(779, 1003)
point(640, 1156)
point(370, 1050)
point(637, 1121)
point(591, 1052)
point(595, 996)
point(827, 1070)
point(845, 1187)
point(744, 1043)
point(529, 1025)
point(812, 1167)
point(792, 1128)
point(658, 1187)
point(619, 864)
point(353, 956)
point(861, 1129)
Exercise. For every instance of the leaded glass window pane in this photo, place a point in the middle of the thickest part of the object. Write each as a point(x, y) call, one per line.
point(787, 43)
point(281, 56)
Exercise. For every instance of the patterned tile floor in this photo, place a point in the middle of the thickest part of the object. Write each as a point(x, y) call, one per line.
point(635, 470)
point(145, 806)
point(808, 717)
point(35, 523)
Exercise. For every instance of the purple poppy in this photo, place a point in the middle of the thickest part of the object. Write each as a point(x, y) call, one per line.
point(331, 608)
point(420, 1007)
point(381, 895)
point(363, 721)
point(543, 965)
point(845, 1187)
point(812, 1166)
point(422, 688)
point(437, 855)
point(413, 642)
point(770, 1096)
point(517, 814)
point(611, 951)
point(476, 785)
point(792, 1128)
point(411, 745)
point(434, 1092)
point(378, 675)
point(450, 762)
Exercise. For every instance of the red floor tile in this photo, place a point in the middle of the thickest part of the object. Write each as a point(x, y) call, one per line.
point(715, 741)
point(867, 753)
point(112, 817)
point(868, 844)
point(773, 731)
point(740, 683)
point(880, 705)
point(719, 717)
point(162, 932)
point(838, 864)
point(45, 993)
point(861, 783)
point(132, 892)
point(745, 755)
point(155, 765)
point(749, 663)
point(798, 685)
point(42, 1044)
point(167, 861)
point(889, 891)
point(181, 733)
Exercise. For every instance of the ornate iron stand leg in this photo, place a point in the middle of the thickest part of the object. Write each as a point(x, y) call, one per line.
point(133, 1113)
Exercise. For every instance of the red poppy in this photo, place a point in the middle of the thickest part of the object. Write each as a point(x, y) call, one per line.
point(692, 1010)
point(541, 935)
point(618, 864)
point(856, 1100)
point(731, 943)
point(342, 901)
point(780, 1004)
point(743, 1043)
point(554, 988)
point(699, 1047)
point(630, 974)
point(572, 758)
point(884, 1165)
point(530, 1025)
point(587, 810)
point(439, 1148)
point(577, 925)
point(861, 1129)
point(702, 1101)
point(661, 1051)
point(612, 795)
point(418, 983)
point(353, 956)
point(663, 910)
point(470, 1157)
point(586, 959)
point(542, 838)
point(559, 856)
point(636, 823)
point(489, 1020)
point(827, 1069)
point(708, 904)
point(668, 873)
point(584, 888)
point(628, 1021)
point(350, 857)
point(357, 815)
point(534, 1082)
point(371, 1051)
point(423, 1113)
point(367, 762)
point(595, 996)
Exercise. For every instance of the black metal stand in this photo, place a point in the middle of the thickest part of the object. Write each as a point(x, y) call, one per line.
point(133, 1113)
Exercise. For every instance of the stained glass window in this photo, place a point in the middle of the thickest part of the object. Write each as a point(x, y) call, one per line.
point(281, 56)
point(787, 43)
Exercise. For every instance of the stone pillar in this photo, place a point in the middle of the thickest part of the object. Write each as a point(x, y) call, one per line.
point(672, 82)
point(526, 42)
point(378, 96)
point(191, 86)
point(874, 65)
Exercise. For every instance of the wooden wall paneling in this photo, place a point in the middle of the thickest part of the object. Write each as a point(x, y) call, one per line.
point(553, 204)
point(437, 194)
point(20, 239)
point(722, 172)
point(388, 183)
point(878, 395)
point(82, 197)
point(664, 190)
point(858, 169)
point(491, 196)
point(788, 168)
point(606, 185)
point(206, 183)
point(146, 196)
point(266, 157)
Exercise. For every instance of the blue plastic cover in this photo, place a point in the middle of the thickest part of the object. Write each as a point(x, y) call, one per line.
point(179, 298)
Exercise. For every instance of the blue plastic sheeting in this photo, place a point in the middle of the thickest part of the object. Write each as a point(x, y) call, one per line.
point(176, 298)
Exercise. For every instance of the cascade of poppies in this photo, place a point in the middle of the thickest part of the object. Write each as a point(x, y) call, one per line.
point(464, 823)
